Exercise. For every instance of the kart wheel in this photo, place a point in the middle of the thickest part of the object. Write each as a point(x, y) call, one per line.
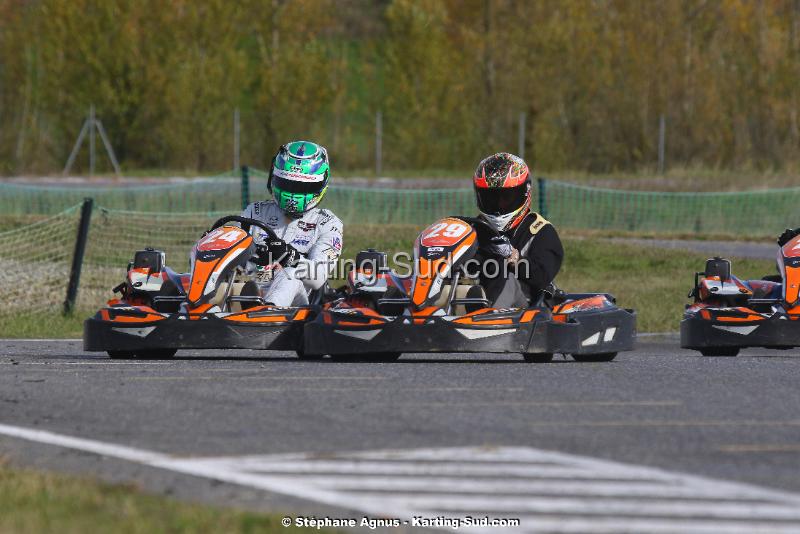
point(369, 357)
point(720, 351)
point(602, 357)
point(121, 354)
point(156, 354)
point(537, 357)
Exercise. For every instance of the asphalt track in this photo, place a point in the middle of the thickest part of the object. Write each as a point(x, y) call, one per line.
point(741, 249)
point(490, 420)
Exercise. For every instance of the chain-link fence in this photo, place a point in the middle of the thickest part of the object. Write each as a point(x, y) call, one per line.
point(36, 259)
point(35, 264)
point(747, 213)
point(750, 213)
point(214, 193)
point(114, 236)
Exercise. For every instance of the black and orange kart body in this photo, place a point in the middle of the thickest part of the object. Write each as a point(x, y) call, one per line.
point(728, 314)
point(439, 308)
point(215, 306)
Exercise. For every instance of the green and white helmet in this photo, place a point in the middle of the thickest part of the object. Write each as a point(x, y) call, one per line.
point(299, 176)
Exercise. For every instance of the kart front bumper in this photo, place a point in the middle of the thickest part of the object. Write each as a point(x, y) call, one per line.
point(179, 332)
point(590, 332)
point(777, 331)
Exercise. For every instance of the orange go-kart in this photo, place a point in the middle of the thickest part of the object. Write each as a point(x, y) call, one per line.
point(729, 314)
point(216, 305)
point(441, 308)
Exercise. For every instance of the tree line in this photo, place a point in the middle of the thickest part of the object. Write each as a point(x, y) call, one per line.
point(450, 77)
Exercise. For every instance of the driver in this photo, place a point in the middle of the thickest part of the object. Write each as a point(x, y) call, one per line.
point(520, 239)
point(309, 239)
point(788, 235)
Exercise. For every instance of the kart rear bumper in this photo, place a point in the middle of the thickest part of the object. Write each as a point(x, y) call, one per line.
point(590, 332)
point(777, 331)
point(178, 332)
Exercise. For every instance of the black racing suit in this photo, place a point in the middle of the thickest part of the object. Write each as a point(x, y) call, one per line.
point(540, 257)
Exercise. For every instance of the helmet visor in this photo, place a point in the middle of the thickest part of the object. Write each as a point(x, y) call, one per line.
point(294, 202)
point(501, 200)
point(298, 185)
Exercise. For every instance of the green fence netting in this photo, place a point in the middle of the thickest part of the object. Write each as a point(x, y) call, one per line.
point(35, 264)
point(567, 205)
point(755, 213)
point(214, 193)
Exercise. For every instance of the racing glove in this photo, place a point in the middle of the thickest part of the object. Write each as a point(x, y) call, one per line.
point(499, 245)
point(276, 251)
point(787, 236)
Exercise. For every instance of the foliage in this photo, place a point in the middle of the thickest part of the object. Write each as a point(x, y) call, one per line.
point(450, 76)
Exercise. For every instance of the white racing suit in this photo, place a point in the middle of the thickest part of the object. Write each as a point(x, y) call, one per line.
point(317, 235)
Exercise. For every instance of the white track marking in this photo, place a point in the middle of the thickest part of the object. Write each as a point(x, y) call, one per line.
point(130, 454)
point(549, 491)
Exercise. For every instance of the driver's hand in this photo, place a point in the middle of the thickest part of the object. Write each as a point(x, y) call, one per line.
point(276, 251)
point(787, 236)
point(499, 245)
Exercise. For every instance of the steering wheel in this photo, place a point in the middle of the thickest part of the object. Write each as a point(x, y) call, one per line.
point(484, 230)
point(246, 224)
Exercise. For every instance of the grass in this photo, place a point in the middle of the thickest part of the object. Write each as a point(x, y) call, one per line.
point(44, 325)
point(32, 501)
point(651, 280)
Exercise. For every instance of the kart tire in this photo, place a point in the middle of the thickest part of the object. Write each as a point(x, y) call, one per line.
point(538, 357)
point(156, 354)
point(602, 357)
point(369, 357)
point(121, 354)
point(719, 351)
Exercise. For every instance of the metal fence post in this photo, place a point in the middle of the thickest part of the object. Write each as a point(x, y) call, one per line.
point(378, 144)
point(92, 128)
point(542, 183)
point(662, 135)
point(77, 256)
point(245, 186)
point(236, 138)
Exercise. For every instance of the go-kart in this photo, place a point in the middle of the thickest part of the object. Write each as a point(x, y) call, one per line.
point(729, 314)
point(441, 308)
point(216, 305)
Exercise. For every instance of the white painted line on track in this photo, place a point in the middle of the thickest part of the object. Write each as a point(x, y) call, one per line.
point(549, 491)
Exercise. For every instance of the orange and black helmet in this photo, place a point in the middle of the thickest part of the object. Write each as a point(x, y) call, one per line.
point(503, 190)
